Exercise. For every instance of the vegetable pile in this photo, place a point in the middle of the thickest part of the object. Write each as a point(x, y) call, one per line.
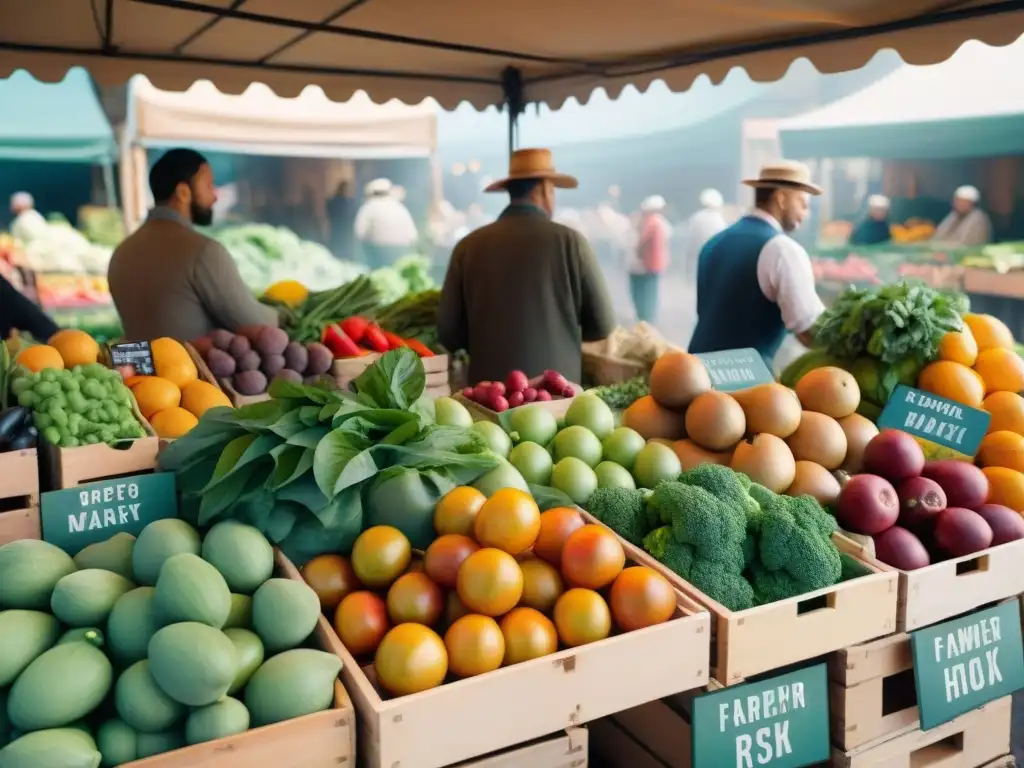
point(137, 647)
point(413, 317)
point(305, 322)
point(356, 337)
point(622, 395)
point(519, 390)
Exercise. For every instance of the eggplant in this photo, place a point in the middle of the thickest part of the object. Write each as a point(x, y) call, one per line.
point(25, 440)
point(11, 423)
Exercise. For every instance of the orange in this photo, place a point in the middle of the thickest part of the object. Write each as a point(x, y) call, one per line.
point(172, 362)
point(490, 582)
point(361, 622)
point(555, 526)
point(1002, 449)
point(453, 608)
point(445, 554)
point(154, 394)
point(415, 598)
point(75, 347)
point(1007, 409)
point(380, 555)
point(411, 658)
point(38, 357)
point(641, 597)
point(475, 645)
point(1002, 370)
point(542, 584)
point(959, 347)
point(988, 331)
point(132, 381)
point(332, 578)
point(1006, 487)
point(529, 634)
point(592, 557)
point(509, 520)
point(953, 381)
point(198, 397)
point(581, 617)
point(173, 423)
point(457, 510)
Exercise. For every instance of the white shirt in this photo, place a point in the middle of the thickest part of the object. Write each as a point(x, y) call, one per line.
point(28, 225)
point(385, 221)
point(701, 227)
point(786, 279)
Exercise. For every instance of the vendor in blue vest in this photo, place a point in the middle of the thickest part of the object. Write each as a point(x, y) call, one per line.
point(755, 282)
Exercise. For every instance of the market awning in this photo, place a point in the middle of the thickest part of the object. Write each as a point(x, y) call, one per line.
point(457, 50)
point(54, 122)
point(969, 106)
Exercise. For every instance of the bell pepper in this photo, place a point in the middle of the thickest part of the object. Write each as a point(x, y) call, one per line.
point(373, 337)
point(419, 347)
point(339, 342)
point(355, 327)
point(394, 340)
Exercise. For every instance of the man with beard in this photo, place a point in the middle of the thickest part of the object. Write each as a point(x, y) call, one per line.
point(166, 278)
point(754, 282)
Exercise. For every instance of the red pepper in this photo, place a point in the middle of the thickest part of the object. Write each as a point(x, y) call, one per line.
point(355, 327)
point(374, 338)
point(418, 347)
point(394, 340)
point(338, 342)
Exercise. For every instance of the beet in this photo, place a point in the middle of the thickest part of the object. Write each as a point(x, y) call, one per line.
point(482, 392)
point(271, 364)
point(960, 532)
point(296, 357)
point(867, 504)
point(288, 374)
point(920, 500)
point(516, 382)
point(239, 346)
point(271, 341)
point(221, 339)
point(203, 345)
point(250, 383)
point(221, 364)
point(893, 455)
point(497, 389)
point(467, 392)
point(901, 549)
point(1006, 524)
point(250, 361)
point(319, 359)
point(515, 399)
point(498, 403)
point(552, 379)
point(965, 485)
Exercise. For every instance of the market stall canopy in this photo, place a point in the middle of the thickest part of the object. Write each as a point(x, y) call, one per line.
point(258, 122)
point(36, 127)
point(455, 50)
point(969, 106)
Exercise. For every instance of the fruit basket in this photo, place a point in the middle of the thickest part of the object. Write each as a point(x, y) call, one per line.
point(19, 495)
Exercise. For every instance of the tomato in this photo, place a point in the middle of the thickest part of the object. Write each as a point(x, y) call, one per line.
point(475, 645)
point(509, 521)
point(415, 598)
point(411, 658)
point(444, 556)
point(641, 597)
point(361, 621)
point(332, 578)
point(457, 510)
point(581, 617)
point(416, 565)
point(592, 557)
point(490, 582)
point(555, 526)
point(379, 555)
point(529, 634)
point(542, 584)
point(453, 608)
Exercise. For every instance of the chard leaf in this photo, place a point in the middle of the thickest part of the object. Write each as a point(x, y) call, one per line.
point(396, 380)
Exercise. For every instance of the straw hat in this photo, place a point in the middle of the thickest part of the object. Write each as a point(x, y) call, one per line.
point(785, 174)
point(533, 164)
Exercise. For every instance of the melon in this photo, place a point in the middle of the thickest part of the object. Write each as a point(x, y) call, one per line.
point(770, 408)
point(62, 685)
point(26, 635)
point(830, 391)
point(190, 589)
point(715, 421)
point(690, 455)
point(814, 480)
point(820, 439)
point(29, 570)
point(192, 663)
point(142, 704)
point(158, 541)
point(677, 378)
point(114, 554)
point(765, 459)
point(292, 684)
point(650, 420)
point(249, 654)
point(51, 748)
point(859, 431)
point(223, 718)
point(86, 598)
point(241, 553)
point(132, 624)
point(284, 613)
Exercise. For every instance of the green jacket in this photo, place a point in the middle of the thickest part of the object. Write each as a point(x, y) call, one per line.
point(523, 293)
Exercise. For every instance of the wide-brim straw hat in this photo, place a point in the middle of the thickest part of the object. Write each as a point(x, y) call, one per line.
point(785, 174)
point(533, 164)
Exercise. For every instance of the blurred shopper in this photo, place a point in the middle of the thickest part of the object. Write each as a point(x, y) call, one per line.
point(966, 225)
point(524, 292)
point(341, 212)
point(700, 227)
point(650, 258)
point(874, 228)
point(19, 313)
point(28, 223)
point(384, 227)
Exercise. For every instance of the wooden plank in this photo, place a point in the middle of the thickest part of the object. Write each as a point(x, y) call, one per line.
point(564, 750)
point(21, 524)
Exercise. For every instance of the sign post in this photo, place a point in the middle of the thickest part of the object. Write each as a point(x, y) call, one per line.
point(962, 664)
point(735, 369)
point(86, 514)
point(781, 722)
point(935, 419)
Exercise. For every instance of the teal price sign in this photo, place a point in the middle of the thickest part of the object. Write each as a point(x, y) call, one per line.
point(86, 514)
point(780, 722)
point(935, 419)
point(735, 369)
point(963, 664)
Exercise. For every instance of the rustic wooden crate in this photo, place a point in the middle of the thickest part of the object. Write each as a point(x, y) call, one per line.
point(748, 643)
point(348, 368)
point(19, 496)
point(977, 738)
point(205, 374)
point(599, 369)
point(567, 749)
point(515, 704)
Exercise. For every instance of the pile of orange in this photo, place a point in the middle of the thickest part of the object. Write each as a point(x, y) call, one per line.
point(501, 584)
point(65, 349)
point(979, 366)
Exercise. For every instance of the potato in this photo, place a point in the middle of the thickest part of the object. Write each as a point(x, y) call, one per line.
point(272, 364)
point(250, 383)
point(221, 338)
point(271, 341)
point(221, 363)
point(320, 359)
point(239, 346)
point(250, 361)
point(296, 357)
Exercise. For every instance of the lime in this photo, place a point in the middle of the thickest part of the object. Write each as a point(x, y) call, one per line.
point(580, 443)
point(495, 436)
point(574, 478)
point(502, 476)
point(533, 462)
point(622, 446)
point(451, 413)
point(592, 412)
point(611, 475)
point(656, 462)
point(533, 424)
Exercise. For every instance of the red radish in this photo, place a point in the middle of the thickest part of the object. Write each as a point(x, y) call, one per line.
point(468, 393)
point(497, 389)
point(529, 395)
point(551, 377)
point(901, 549)
point(920, 500)
point(965, 485)
point(516, 382)
point(515, 399)
point(1006, 524)
point(499, 404)
point(482, 392)
point(568, 392)
point(893, 455)
point(867, 504)
point(543, 395)
point(960, 532)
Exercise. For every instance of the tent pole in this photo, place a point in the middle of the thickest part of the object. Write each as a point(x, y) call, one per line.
point(512, 87)
point(109, 188)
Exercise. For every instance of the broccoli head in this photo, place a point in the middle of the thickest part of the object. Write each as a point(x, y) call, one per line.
point(715, 528)
point(796, 538)
point(770, 586)
point(725, 484)
point(662, 546)
point(722, 584)
point(623, 510)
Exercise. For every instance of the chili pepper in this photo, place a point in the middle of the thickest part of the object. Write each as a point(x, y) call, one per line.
point(394, 340)
point(338, 342)
point(374, 338)
point(355, 327)
point(419, 348)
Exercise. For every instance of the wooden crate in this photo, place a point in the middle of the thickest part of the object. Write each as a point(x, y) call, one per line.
point(872, 694)
point(599, 369)
point(19, 496)
point(348, 368)
point(567, 749)
point(653, 735)
point(977, 738)
point(515, 704)
point(748, 643)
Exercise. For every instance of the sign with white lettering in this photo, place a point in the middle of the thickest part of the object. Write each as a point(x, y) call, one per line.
point(780, 722)
point(735, 369)
point(935, 419)
point(132, 358)
point(962, 664)
point(86, 514)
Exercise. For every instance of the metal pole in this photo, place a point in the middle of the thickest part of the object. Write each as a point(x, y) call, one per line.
point(512, 86)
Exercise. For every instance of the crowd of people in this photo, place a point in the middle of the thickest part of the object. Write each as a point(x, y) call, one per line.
point(964, 226)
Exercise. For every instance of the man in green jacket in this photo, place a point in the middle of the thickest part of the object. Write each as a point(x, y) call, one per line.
point(523, 293)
